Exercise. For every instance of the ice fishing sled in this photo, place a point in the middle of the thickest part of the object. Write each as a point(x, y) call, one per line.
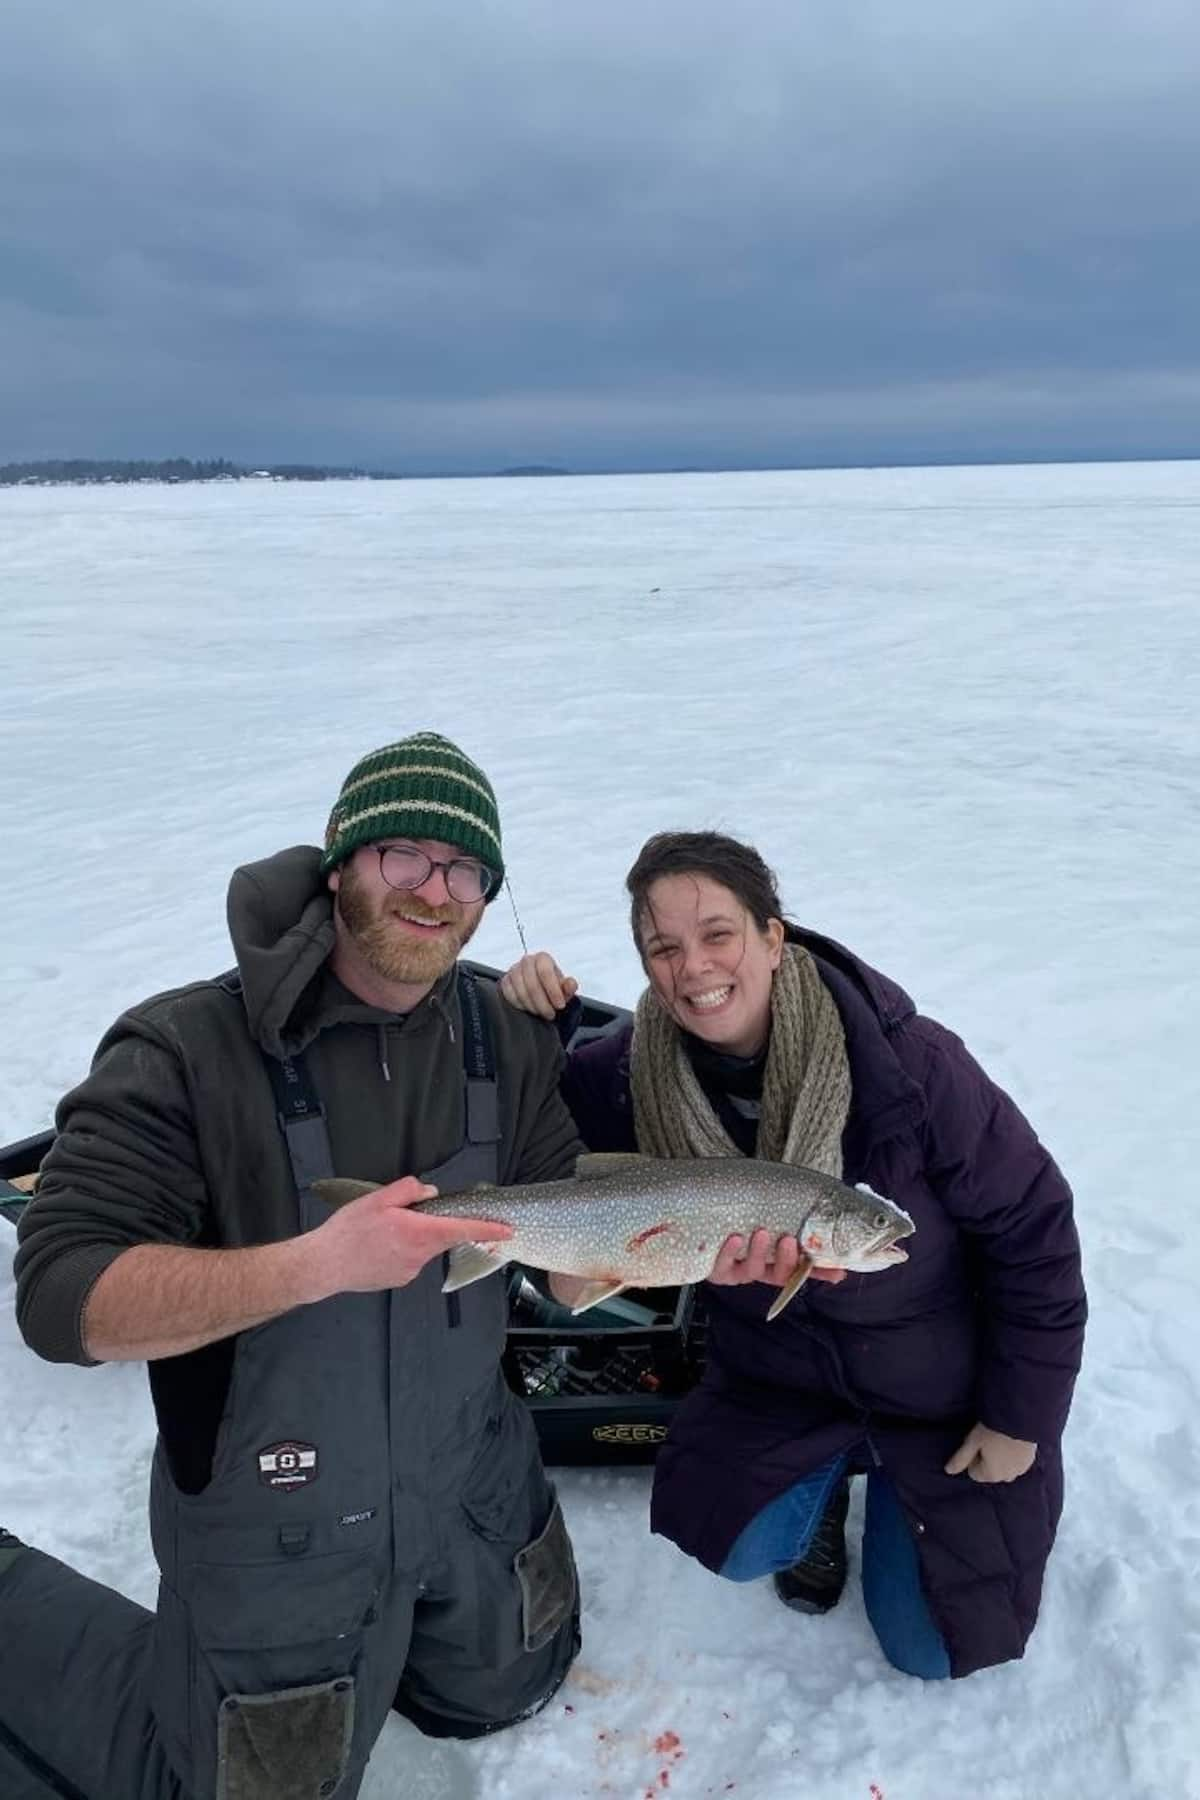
point(601, 1387)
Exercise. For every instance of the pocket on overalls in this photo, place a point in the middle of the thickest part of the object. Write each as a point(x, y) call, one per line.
point(506, 1492)
point(293, 1745)
point(524, 1563)
point(545, 1570)
point(276, 1665)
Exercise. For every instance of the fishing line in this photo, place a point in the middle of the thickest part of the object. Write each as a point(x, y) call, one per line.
point(516, 916)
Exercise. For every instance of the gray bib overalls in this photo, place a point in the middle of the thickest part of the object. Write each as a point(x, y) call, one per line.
point(377, 1531)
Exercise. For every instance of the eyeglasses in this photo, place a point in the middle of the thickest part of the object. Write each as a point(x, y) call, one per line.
point(467, 879)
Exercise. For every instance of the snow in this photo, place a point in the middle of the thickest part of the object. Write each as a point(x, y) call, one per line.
point(956, 708)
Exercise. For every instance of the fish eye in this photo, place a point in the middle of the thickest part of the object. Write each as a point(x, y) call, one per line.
point(882, 1219)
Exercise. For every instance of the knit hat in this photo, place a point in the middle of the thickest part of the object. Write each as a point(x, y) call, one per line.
point(421, 787)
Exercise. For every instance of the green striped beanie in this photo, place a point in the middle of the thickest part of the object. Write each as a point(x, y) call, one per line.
point(422, 787)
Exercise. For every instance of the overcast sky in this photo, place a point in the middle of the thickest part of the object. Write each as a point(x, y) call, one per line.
point(599, 234)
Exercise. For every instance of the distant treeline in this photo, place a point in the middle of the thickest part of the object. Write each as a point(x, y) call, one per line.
point(175, 468)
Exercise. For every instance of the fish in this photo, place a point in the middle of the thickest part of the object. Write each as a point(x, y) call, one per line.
point(626, 1220)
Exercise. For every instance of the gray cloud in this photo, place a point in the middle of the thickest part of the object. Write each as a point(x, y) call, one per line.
point(650, 235)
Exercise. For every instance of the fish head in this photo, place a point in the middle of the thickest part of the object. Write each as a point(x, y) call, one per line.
point(859, 1230)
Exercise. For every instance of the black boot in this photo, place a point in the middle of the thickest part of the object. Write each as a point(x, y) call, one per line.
point(815, 1583)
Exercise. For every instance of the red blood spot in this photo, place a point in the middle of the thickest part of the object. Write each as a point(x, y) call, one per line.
point(876, 1792)
point(643, 1237)
point(813, 1242)
point(668, 1742)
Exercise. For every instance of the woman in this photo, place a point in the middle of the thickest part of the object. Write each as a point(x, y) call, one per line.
point(946, 1380)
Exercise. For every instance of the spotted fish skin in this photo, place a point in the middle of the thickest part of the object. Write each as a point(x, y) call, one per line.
point(641, 1221)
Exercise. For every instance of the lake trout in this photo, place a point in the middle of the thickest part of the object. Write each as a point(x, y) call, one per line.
point(644, 1221)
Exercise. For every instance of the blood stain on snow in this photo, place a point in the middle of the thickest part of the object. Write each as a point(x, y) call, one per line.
point(876, 1792)
point(592, 1682)
point(667, 1744)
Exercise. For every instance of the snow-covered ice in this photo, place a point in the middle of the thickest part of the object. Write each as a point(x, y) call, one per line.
point(956, 708)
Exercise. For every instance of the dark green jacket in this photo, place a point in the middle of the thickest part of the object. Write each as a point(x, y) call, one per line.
point(172, 1137)
point(425, 1476)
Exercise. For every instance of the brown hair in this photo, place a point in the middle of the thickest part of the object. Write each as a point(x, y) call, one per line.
point(735, 866)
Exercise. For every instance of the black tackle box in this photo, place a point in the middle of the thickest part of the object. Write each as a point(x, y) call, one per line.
point(603, 1387)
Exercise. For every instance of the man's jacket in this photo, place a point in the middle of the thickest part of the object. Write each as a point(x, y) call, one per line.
point(320, 1474)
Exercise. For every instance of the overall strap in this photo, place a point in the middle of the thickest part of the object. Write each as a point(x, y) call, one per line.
point(301, 1118)
point(479, 1063)
point(478, 1158)
point(298, 1111)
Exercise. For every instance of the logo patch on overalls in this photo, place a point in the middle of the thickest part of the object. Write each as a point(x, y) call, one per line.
point(287, 1465)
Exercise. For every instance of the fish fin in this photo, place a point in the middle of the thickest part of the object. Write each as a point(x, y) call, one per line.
point(471, 1262)
point(595, 1163)
point(596, 1292)
point(472, 1192)
point(338, 1192)
point(804, 1269)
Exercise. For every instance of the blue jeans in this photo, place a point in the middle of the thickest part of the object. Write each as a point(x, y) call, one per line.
point(779, 1535)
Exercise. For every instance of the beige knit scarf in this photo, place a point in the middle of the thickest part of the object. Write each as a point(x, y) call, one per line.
point(806, 1082)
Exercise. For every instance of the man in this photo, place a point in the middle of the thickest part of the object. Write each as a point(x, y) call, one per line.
point(347, 1506)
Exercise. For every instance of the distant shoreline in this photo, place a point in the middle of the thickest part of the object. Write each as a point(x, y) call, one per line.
point(86, 472)
point(94, 472)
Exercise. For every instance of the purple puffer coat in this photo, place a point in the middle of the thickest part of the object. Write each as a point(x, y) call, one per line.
point(984, 1322)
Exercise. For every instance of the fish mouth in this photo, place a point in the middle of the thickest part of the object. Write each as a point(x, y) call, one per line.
point(884, 1256)
point(885, 1250)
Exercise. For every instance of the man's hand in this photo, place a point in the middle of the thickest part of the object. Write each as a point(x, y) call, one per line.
point(765, 1258)
point(536, 984)
point(376, 1242)
point(988, 1455)
point(159, 1300)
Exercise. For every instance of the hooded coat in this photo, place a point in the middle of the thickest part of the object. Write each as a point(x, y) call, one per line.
point(173, 1137)
point(348, 1509)
point(983, 1323)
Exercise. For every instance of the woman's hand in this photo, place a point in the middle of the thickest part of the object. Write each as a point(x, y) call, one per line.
point(988, 1455)
point(764, 1257)
point(536, 984)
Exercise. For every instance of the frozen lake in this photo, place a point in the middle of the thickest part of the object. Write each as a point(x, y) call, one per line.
point(955, 708)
